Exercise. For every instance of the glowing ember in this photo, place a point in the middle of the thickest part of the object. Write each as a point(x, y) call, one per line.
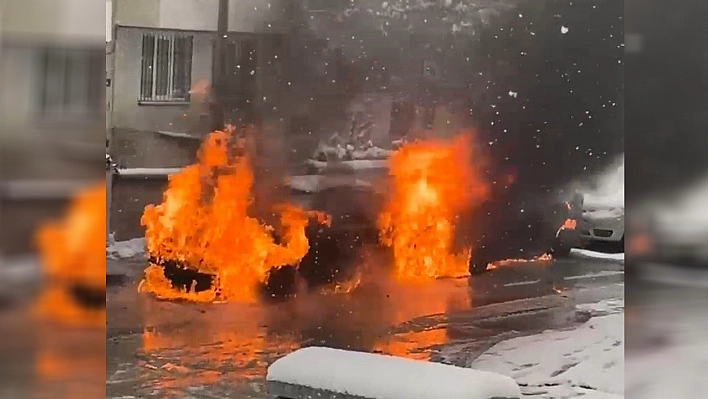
point(508, 262)
point(433, 181)
point(73, 257)
point(639, 244)
point(345, 287)
point(203, 223)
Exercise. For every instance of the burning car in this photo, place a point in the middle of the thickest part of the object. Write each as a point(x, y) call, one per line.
point(205, 245)
point(73, 264)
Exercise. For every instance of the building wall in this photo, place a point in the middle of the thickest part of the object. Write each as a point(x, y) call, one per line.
point(252, 16)
point(136, 127)
point(33, 145)
point(127, 113)
point(36, 150)
point(67, 21)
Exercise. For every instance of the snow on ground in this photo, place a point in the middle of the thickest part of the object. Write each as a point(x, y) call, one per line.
point(368, 375)
point(148, 172)
point(130, 249)
point(584, 253)
point(611, 305)
point(667, 352)
point(585, 362)
point(677, 371)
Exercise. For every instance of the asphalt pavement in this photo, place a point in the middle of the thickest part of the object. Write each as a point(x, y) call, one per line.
point(159, 349)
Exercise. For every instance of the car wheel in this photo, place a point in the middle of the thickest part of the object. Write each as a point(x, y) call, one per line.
point(477, 267)
point(561, 247)
point(620, 245)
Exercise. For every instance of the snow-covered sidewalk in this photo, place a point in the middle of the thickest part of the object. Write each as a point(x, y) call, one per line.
point(586, 362)
point(129, 249)
point(588, 254)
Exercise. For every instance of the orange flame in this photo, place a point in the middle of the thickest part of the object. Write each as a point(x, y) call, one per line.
point(72, 251)
point(568, 224)
point(508, 262)
point(433, 181)
point(203, 222)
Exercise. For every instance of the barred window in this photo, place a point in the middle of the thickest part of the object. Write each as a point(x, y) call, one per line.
point(166, 68)
point(71, 82)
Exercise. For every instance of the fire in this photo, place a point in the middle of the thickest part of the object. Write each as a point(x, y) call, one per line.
point(203, 223)
point(433, 181)
point(507, 262)
point(73, 258)
point(345, 287)
point(569, 224)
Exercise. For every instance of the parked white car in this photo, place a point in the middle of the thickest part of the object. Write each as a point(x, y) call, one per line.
point(602, 222)
point(679, 231)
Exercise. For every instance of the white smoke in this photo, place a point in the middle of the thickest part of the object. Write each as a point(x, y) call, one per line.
point(684, 217)
point(606, 189)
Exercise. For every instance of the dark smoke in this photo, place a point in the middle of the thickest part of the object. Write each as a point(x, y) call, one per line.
point(542, 82)
point(665, 116)
point(555, 116)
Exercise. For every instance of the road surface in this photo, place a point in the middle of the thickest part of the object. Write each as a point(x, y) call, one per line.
point(157, 349)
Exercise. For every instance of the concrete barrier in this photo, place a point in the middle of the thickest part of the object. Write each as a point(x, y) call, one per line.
point(318, 372)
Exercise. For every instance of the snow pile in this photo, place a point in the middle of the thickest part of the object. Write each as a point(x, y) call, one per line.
point(587, 362)
point(668, 353)
point(359, 164)
point(371, 153)
point(349, 152)
point(603, 214)
point(367, 375)
point(130, 249)
point(587, 254)
point(316, 183)
point(148, 172)
point(611, 305)
point(673, 372)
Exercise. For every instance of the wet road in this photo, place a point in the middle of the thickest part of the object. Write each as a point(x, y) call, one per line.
point(158, 349)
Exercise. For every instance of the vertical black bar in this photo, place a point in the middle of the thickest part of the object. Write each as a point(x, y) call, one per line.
point(162, 76)
point(143, 69)
point(178, 63)
point(67, 58)
point(45, 79)
point(188, 64)
point(148, 62)
point(218, 66)
point(182, 67)
point(95, 88)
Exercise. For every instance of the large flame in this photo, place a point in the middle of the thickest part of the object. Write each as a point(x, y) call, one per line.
point(203, 222)
point(72, 251)
point(433, 181)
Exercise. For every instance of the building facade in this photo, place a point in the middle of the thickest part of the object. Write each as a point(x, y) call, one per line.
point(51, 101)
point(163, 69)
